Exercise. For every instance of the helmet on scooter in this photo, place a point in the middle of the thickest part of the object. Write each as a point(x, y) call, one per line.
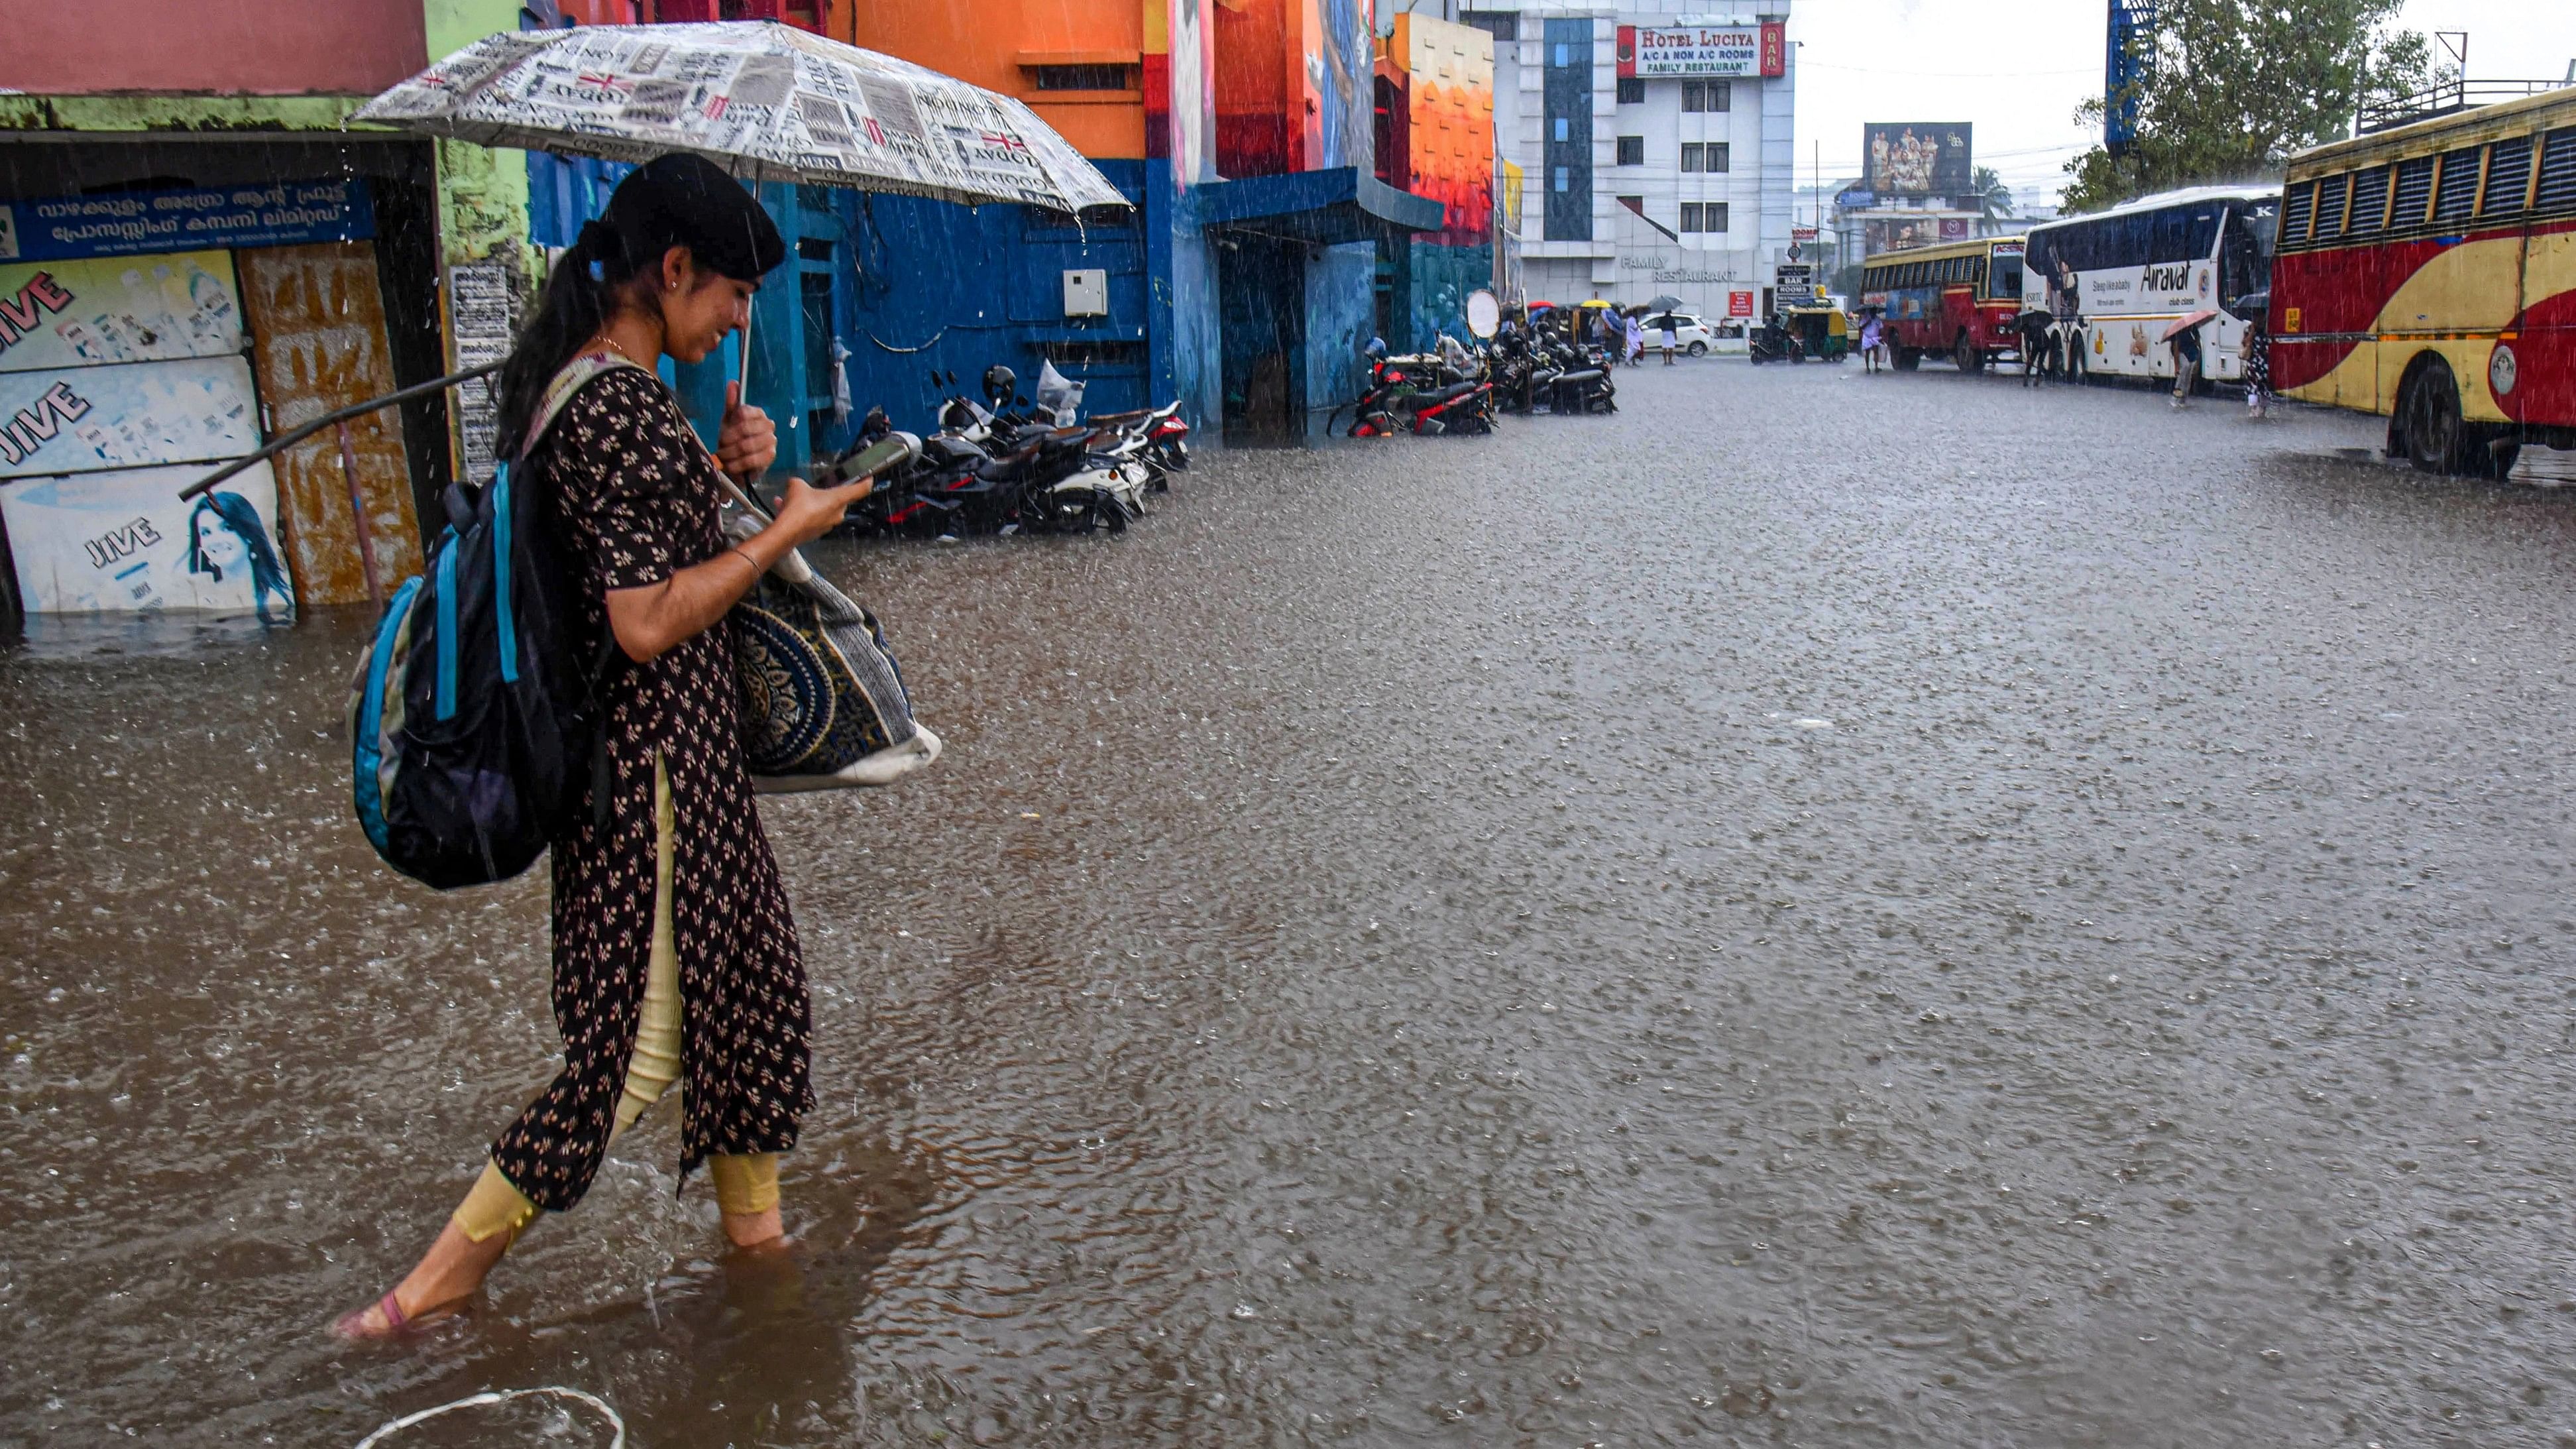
point(1000, 382)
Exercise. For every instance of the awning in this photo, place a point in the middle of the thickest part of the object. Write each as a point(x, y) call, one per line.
point(1324, 208)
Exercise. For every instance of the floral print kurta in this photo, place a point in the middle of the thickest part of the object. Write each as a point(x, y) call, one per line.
point(635, 499)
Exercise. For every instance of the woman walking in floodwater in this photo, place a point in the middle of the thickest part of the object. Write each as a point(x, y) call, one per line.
point(673, 952)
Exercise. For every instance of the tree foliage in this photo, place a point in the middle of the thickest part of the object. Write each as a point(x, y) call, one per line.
point(1994, 197)
point(2234, 86)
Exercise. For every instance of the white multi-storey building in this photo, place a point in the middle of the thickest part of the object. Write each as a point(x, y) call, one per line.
point(1658, 156)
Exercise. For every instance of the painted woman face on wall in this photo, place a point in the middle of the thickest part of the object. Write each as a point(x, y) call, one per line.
point(218, 545)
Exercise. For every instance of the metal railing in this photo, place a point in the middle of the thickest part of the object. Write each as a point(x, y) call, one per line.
point(2447, 99)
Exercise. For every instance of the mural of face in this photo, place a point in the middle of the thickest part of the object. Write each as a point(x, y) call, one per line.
point(219, 546)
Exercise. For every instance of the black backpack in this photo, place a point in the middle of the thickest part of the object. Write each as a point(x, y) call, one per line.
point(475, 713)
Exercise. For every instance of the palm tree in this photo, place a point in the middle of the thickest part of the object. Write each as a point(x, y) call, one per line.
point(1994, 200)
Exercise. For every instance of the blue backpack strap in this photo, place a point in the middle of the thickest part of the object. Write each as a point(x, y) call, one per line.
point(446, 705)
point(371, 713)
point(503, 621)
point(570, 379)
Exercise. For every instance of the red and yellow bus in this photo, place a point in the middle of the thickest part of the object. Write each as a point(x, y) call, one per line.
point(1958, 298)
point(2428, 274)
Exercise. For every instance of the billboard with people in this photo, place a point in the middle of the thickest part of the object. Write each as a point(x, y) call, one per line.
point(1918, 158)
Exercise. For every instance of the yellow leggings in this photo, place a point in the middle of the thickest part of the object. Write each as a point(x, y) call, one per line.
point(744, 1185)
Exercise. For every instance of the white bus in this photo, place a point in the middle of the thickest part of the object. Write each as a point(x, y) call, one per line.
point(2141, 267)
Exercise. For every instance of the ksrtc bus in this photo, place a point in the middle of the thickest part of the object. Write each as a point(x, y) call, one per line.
point(1958, 298)
point(2428, 273)
point(2139, 268)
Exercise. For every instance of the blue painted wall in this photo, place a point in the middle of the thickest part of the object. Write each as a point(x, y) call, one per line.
point(1441, 279)
point(1181, 315)
point(954, 288)
point(1341, 316)
point(919, 285)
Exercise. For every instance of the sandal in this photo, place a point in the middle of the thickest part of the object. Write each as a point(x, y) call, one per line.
point(352, 1326)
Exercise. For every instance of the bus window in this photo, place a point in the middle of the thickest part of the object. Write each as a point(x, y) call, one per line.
point(2369, 201)
point(2297, 205)
point(2458, 189)
point(2330, 197)
point(2508, 178)
point(2003, 279)
point(2245, 260)
point(2414, 192)
point(2557, 172)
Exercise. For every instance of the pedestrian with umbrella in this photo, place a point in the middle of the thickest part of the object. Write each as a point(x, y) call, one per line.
point(2185, 339)
point(675, 958)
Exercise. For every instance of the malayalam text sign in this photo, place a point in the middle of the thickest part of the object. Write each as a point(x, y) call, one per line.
point(132, 223)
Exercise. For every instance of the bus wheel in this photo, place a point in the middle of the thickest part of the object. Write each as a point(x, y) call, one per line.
point(1966, 356)
point(2437, 441)
point(1908, 358)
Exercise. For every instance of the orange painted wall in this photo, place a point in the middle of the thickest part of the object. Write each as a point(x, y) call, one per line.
point(988, 42)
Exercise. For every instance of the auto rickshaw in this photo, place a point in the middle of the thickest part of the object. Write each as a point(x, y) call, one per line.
point(1823, 333)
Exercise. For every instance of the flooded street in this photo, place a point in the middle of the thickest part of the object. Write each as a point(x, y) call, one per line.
point(1709, 925)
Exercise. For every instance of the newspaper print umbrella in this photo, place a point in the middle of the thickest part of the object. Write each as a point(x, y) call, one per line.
point(766, 101)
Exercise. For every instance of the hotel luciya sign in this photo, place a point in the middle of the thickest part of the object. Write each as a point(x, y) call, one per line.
point(1759, 49)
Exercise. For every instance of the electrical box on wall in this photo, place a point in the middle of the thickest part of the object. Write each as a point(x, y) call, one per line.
point(1086, 292)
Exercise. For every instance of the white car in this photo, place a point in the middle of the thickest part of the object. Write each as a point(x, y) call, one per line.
point(1691, 335)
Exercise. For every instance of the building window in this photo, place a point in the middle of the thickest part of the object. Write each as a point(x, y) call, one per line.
point(1718, 157)
point(1708, 95)
point(1691, 152)
point(1632, 91)
point(1567, 104)
point(1690, 216)
point(1082, 77)
point(1501, 27)
point(1632, 150)
point(1636, 204)
point(1712, 217)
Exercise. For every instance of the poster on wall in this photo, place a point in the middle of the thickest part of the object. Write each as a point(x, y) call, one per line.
point(132, 223)
point(86, 419)
point(83, 312)
point(1918, 159)
point(1900, 233)
point(111, 542)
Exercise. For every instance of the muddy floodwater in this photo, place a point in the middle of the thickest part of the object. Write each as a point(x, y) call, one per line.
point(1821, 910)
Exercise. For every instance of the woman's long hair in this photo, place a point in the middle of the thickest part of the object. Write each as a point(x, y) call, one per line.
point(679, 200)
point(578, 301)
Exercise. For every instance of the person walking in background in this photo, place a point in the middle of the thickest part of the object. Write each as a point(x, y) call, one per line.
point(1614, 340)
point(2186, 353)
point(2066, 337)
point(1672, 337)
point(1872, 336)
point(2258, 364)
point(674, 954)
point(1636, 340)
point(2037, 345)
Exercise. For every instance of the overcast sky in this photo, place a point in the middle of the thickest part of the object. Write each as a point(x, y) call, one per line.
point(2018, 78)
